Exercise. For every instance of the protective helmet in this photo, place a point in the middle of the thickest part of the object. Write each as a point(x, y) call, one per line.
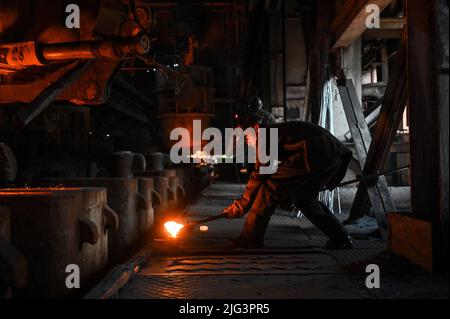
point(255, 104)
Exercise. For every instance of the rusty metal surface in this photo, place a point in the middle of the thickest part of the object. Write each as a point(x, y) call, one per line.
point(13, 266)
point(146, 216)
point(88, 88)
point(36, 50)
point(116, 48)
point(51, 227)
point(122, 197)
point(29, 53)
point(94, 256)
point(119, 164)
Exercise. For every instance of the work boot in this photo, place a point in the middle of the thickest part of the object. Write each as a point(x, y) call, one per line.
point(340, 244)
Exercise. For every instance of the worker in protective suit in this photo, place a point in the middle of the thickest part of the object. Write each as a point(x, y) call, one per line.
point(310, 159)
point(264, 118)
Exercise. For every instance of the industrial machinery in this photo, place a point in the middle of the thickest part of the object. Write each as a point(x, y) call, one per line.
point(76, 125)
point(183, 98)
point(41, 60)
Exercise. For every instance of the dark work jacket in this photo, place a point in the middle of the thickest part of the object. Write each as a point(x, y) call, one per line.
point(305, 148)
point(304, 152)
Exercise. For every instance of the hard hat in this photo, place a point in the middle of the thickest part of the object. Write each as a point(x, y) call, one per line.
point(255, 104)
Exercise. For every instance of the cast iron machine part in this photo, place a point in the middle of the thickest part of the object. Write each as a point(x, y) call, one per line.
point(43, 100)
point(31, 53)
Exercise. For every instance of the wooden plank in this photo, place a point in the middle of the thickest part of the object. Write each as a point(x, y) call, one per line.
point(411, 238)
point(390, 28)
point(392, 23)
point(400, 147)
point(378, 193)
point(382, 34)
point(350, 22)
point(428, 114)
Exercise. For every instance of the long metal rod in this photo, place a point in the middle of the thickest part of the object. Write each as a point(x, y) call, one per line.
point(113, 48)
point(359, 179)
point(373, 176)
point(205, 220)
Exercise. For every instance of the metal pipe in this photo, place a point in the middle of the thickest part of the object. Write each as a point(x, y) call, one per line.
point(205, 220)
point(37, 54)
point(114, 48)
point(373, 176)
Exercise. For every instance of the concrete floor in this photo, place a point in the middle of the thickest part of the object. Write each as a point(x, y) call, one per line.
point(293, 263)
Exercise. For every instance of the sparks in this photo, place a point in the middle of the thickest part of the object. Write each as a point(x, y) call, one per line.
point(173, 228)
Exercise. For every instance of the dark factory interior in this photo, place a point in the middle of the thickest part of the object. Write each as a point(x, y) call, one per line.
point(110, 187)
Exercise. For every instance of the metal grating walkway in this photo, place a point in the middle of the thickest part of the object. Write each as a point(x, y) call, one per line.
point(293, 263)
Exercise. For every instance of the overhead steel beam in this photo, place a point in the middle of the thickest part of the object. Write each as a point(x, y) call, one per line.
point(350, 21)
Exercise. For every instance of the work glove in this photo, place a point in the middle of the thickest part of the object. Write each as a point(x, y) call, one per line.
point(232, 211)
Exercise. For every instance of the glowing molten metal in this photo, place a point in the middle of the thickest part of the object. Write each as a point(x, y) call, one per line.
point(173, 228)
